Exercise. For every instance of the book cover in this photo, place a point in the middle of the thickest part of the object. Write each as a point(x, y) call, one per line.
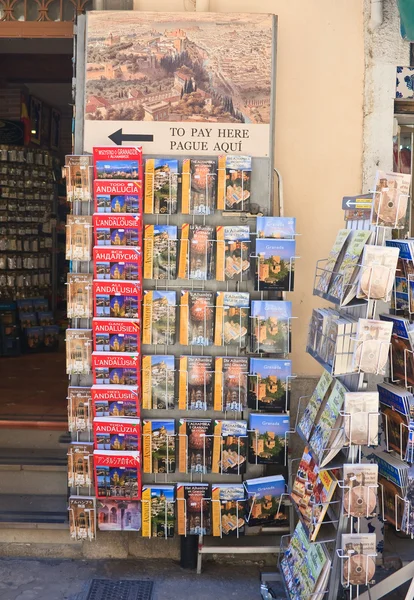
point(117, 263)
point(78, 351)
point(28, 320)
point(118, 515)
point(118, 197)
point(372, 346)
point(159, 320)
point(118, 299)
point(304, 482)
point(343, 285)
point(80, 464)
point(116, 368)
point(275, 227)
point(360, 489)
point(392, 475)
point(232, 318)
point(269, 384)
point(79, 409)
point(51, 336)
point(229, 447)
point(360, 556)
point(271, 326)
point(116, 335)
point(115, 401)
point(160, 251)
point(234, 182)
point(45, 319)
point(377, 272)
point(117, 474)
point(197, 256)
point(117, 162)
point(361, 418)
point(402, 358)
point(233, 253)
point(199, 185)
point(193, 509)
point(117, 230)
point(195, 445)
point(158, 511)
point(34, 337)
point(228, 509)
point(397, 408)
point(78, 237)
point(230, 383)
point(275, 268)
point(265, 505)
point(158, 382)
point(40, 304)
point(268, 438)
point(25, 306)
point(79, 176)
point(82, 518)
point(196, 383)
point(390, 199)
point(196, 318)
point(324, 440)
point(121, 434)
point(158, 446)
point(328, 270)
point(79, 296)
point(161, 183)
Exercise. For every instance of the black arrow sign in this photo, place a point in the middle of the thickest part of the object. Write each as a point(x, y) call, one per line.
point(118, 137)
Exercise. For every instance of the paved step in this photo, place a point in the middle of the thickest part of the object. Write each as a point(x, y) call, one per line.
point(34, 439)
point(33, 479)
point(37, 510)
point(33, 457)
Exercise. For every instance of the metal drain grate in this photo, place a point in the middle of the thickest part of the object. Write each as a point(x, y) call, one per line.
point(122, 589)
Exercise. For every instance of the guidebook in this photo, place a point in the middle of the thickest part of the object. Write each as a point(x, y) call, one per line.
point(397, 409)
point(270, 328)
point(393, 478)
point(116, 335)
point(229, 447)
point(265, 502)
point(269, 384)
point(197, 318)
point(117, 474)
point(117, 263)
point(159, 321)
point(120, 434)
point(78, 238)
point(359, 551)
point(196, 384)
point(268, 438)
point(233, 253)
point(118, 230)
point(158, 510)
point(197, 252)
point(161, 182)
point(275, 265)
point(119, 515)
point(343, 285)
point(234, 182)
point(360, 489)
point(402, 357)
point(82, 518)
point(79, 296)
point(328, 272)
point(232, 318)
point(199, 185)
point(118, 197)
point(158, 381)
point(78, 351)
point(79, 176)
point(115, 401)
point(275, 227)
point(160, 252)
point(193, 509)
point(230, 383)
point(195, 445)
point(116, 368)
point(228, 509)
point(390, 199)
point(79, 409)
point(119, 299)
point(117, 162)
point(80, 464)
point(158, 446)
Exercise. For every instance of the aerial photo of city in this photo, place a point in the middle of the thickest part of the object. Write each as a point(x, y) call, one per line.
point(164, 67)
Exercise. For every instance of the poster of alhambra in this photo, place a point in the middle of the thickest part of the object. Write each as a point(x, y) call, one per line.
point(172, 76)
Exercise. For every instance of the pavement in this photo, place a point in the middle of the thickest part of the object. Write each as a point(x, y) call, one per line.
point(45, 579)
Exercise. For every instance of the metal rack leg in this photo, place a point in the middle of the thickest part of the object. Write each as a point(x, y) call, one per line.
point(393, 581)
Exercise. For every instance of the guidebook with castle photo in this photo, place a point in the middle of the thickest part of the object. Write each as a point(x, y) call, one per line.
point(197, 252)
point(160, 251)
point(161, 183)
point(196, 383)
point(158, 381)
point(269, 384)
point(268, 438)
point(158, 510)
point(195, 445)
point(275, 265)
point(159, 317)
point(234, 182)
point(229, 447)
point(270, 327)
point(265, 501)
point(116, 368)
point(158, 446)
point(193, 509)
point(117, 162)
point(228, 509)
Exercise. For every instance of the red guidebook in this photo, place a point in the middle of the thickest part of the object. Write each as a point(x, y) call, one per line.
point(118, 299)
point(116, 335)
point(117, 197)
point(120, 434)
point(117, 162)
point(116, 368)
point(115, 401)
point(117, 230)
point(117, 264)
point(117, 474)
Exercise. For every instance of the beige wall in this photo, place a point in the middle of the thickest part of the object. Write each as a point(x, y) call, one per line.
point(319, 117)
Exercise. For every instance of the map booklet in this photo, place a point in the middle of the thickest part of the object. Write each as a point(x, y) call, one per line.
point(158, 510)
